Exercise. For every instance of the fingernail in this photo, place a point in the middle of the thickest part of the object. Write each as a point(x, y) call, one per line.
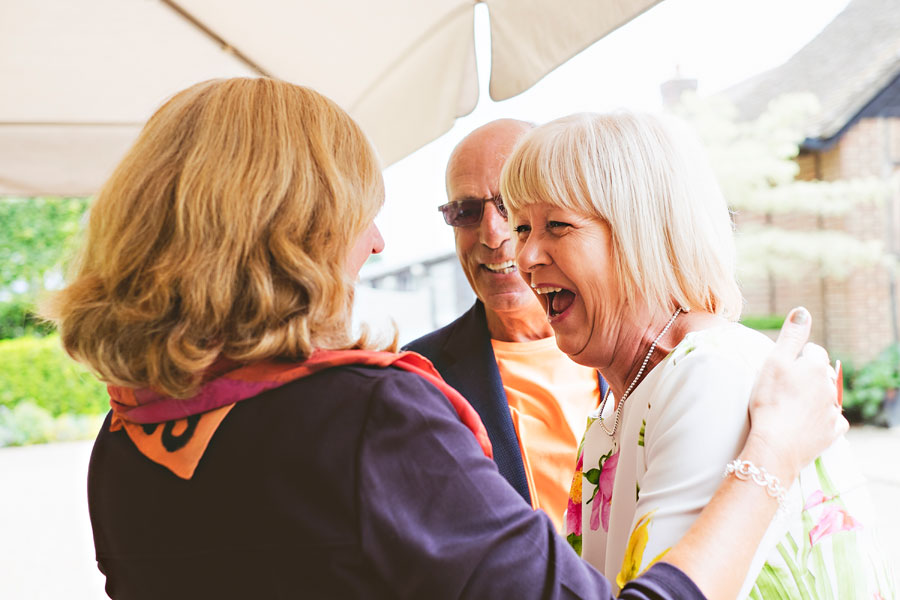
point(839, 369)
point(800, 316)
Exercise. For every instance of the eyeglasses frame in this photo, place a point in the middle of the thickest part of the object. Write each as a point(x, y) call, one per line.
point(498, 204)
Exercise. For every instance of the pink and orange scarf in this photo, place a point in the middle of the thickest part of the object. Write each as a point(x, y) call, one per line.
point(175, 432)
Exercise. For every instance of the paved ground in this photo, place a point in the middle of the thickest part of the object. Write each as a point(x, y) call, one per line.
point(878, 452)
point(46, 548)
point(46, 551)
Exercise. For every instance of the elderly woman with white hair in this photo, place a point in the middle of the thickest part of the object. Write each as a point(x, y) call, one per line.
point(624, 236)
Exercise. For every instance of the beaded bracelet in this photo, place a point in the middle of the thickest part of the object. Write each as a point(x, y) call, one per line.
point(747, 471)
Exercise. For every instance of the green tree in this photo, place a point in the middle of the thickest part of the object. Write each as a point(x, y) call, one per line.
point(36, 234)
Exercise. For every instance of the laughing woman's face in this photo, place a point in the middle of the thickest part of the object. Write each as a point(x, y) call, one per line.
point(567, 258)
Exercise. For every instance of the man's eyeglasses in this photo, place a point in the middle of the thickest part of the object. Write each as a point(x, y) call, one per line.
point(469, 212)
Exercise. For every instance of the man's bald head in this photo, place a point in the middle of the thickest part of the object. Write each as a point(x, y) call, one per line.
point(485, 149)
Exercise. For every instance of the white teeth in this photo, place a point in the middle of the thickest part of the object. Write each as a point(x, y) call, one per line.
point(508, 266)
point(546, 290)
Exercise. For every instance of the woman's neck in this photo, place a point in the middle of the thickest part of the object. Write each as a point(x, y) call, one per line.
point(629, 358)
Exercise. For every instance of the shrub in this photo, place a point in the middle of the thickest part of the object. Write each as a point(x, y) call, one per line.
point(762, 322)
point(17, 319)
point(28, 423)
point(35, 233)
point(865, 388)
point(36, 237)
point(37, 370)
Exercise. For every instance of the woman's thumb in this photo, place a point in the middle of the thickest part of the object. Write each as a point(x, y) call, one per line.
point(794, 333)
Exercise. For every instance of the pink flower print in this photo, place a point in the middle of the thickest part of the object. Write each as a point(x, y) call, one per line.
point(607, 477)
point(573, 508)
point(602, 499)
point(833, 519)
point(595, 516)
point(816, 498)
point(573, 518)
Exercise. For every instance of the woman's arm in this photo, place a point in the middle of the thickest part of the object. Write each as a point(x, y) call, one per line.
point(437, 520)
point(794, 416)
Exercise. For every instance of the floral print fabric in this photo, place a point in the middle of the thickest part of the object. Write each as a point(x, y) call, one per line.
point(636, 494)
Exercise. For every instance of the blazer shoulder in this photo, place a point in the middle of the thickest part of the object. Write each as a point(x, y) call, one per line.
point(431, 341)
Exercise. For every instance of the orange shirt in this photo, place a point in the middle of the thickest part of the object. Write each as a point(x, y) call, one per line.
point(549, 400)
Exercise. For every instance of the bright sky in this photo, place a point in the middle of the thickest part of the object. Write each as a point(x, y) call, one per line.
point(718, 42)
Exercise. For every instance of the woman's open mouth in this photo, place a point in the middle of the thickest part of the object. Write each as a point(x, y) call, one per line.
point(556, 300)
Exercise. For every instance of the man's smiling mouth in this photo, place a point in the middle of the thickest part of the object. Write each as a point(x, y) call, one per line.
point(504, 267)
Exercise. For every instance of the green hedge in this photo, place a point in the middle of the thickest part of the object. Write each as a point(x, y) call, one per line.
point(866, 387)
point(763, 322)
point(38, 370)
point(28, 423)
point(37, 236)
point(45, 395)
point(17, 319)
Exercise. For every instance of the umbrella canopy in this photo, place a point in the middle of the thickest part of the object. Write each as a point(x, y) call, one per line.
point(81, 78)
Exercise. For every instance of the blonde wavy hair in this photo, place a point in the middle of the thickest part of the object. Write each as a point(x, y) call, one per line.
point(224, 232)
point(649, 179)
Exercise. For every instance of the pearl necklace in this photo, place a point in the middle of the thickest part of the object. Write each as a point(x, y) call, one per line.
point(636, 378)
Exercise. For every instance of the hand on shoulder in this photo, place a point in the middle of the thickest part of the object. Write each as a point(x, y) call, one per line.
point(794, 410)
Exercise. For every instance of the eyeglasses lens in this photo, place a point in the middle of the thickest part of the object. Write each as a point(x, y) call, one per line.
point(469, 212)
point(461, 214)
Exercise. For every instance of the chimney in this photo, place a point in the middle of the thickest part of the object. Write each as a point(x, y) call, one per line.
point(673, 88)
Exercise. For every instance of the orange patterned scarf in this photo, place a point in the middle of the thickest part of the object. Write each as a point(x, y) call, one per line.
point(175, 432)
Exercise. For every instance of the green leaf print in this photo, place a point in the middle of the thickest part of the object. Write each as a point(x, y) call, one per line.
point(587, 427)
point(808, 578)
point(847, 563)
point(796, 574)
point(848, 566)
point(641, 434)
point(770, 584)
point(828, 487)
point(812, 560)
point(886, 582)
point(593, 476)
point(824, 557)
point(575, 542)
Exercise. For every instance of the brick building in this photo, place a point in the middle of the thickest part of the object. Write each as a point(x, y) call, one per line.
point(853, 67)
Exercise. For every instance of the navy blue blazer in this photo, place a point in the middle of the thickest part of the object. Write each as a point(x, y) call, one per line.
point(353, 482)
point(463, 355)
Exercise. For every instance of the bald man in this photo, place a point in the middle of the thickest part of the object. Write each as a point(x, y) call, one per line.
point(501, 354)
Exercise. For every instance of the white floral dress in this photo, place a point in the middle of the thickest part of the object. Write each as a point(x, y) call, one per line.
point(636, 494)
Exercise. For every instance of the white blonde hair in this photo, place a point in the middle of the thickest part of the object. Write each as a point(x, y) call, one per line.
point(649, 179)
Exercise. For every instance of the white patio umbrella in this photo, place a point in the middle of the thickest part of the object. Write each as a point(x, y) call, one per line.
point(80, 77)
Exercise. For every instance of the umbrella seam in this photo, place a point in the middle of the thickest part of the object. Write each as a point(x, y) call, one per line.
point(226, 46)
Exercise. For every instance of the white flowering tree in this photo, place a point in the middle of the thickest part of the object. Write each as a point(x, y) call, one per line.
point(754, 161)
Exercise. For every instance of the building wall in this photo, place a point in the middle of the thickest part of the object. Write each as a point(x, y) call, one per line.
point(415, 299)
point(857, 316)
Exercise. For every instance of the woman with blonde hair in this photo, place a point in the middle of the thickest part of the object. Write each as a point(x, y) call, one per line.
point(623, 234)
point(257, 449)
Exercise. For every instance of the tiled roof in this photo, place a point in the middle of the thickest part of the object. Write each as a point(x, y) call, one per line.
point(853, 59)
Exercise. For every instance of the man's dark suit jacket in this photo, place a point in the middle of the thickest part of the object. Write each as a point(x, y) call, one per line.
point(463, 355)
